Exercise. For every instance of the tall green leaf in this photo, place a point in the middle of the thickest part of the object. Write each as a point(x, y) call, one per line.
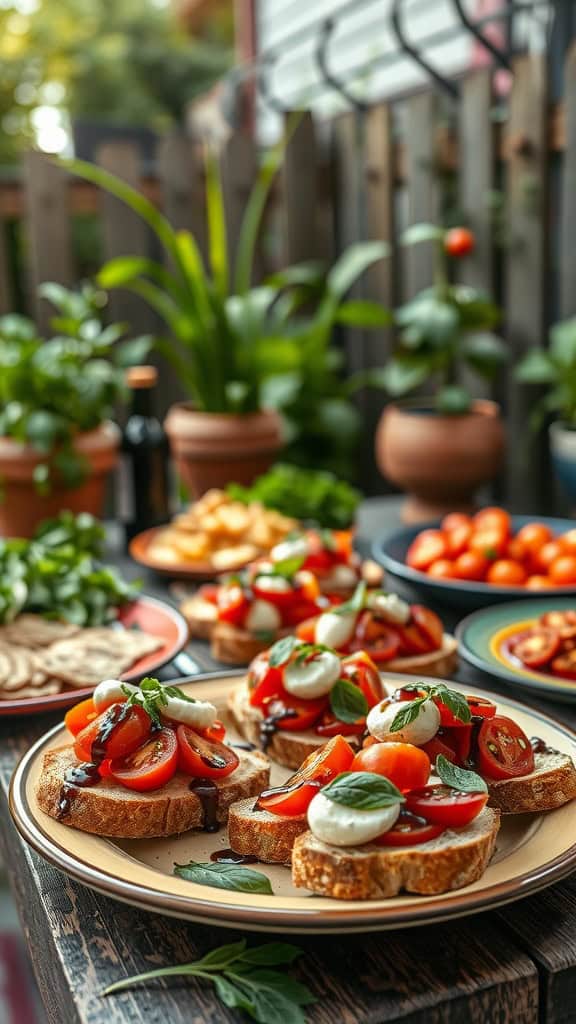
point(217, 237)
point(352, 264)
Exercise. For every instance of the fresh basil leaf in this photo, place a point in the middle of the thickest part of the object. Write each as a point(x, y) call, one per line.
point(175, 691)
point(306, 651)
point(265, 636)
point(287, 567)
point(223, 955)
point(347, 701)
point(271, 954)
point(408, 713)
point(459, 778)
point(356, 603)
point(231, 995)
point(224, 876)
point(287, 986)
point(268, 1006)
point(280, 653)
point(456, 702)
point(365, 791)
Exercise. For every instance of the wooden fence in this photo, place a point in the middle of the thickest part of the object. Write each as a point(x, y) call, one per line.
point(507, 168)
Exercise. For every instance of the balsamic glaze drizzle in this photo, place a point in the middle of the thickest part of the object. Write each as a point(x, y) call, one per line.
point(231, 857)
point(207, 792)
point(269, 726)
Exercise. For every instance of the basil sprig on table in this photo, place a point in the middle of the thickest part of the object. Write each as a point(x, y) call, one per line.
point(459, 778)
point(347, 701)
point(365, 791)
point(153, 696)
point(244, 979)
point(456, 702)
point(225, 876)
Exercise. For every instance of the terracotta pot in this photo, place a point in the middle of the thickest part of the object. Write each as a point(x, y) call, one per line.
point(214, 449)
point(22, 508)
point(439, 460)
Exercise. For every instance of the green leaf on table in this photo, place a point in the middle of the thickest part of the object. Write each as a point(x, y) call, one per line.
point(347, 701)
point(271, 954)
point(225, 876)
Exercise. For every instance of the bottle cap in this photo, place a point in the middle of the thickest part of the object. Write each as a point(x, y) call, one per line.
point(141, 377)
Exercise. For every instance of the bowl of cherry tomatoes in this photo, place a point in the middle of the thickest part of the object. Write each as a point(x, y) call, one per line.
point(473, 561)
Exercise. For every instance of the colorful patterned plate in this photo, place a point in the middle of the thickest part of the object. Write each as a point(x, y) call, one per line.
point(482, 641)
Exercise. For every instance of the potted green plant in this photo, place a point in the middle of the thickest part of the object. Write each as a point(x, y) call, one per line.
point(441, 446)
point(227, 339)
point(57, 442)
point(555, 370)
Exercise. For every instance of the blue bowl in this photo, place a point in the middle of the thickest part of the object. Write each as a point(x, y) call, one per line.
point(390, 552)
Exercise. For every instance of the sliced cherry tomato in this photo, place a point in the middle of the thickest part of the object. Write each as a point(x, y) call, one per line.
point(459, 739)
point(409, 830)
point(559, 620)
point(454, 521)
point(429, 624)
point(506, 573)
point(413, 640)
point(459, 242)
point(427, 547)
point(233, 605)
point(216, 731)
point(480, 707)
point(361, 670)
point(504, 750)
point(264, 588)
point(319, 768)
point(204, 758)
point(472, 565)
point(264, 680)
point(305, 712)
point(151, 766)
point(78, 717)
point(537, 647)
point(306, 630)
point(443, 569)
point(209, 592)
point(407, 766)
point(437, 746)
point(301, 609)
point(565, 665)
point(445, 806)
point(493, 518)
point(329, 725)
point(129, 734)
point(379, 640)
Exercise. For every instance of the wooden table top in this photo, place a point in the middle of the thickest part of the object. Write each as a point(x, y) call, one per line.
point(514, 966)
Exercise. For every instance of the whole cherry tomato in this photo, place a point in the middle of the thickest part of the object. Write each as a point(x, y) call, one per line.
point(459, 242)
point(534, 536)
point(472, 565)
point(443, 569)
point(569, 541)
point(455, 520)
point(547, 554)
point(457, 539)
point(427, 547)
point(539, 583)
point(493, 518)
point(562, 571)
point(491, 543)
point(506, 573)
point(403, 764)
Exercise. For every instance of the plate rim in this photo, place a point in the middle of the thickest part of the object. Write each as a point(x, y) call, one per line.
point(198, 571)
point(530, 682)
point(299, 920)
point(59, 701)
point(417, 578)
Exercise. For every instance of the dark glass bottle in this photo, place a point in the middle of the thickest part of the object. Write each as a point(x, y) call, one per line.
point(143, 485)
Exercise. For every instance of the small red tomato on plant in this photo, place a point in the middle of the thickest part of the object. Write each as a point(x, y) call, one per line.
point(459, 242)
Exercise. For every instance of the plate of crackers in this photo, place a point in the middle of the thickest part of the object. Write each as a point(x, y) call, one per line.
point(46, 664)
point(216, 534)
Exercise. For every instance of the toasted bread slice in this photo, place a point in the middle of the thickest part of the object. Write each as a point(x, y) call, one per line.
point(200, 615)
point(285, 747)
point(439, 664)
point(234, 646)
point(456, 858)
point(551, 784)
point(109, 809)
point(269, 837)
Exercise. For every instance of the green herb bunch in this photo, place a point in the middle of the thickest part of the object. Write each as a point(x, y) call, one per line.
point(313, 496)
point(245, 978)
point(57, 574)
point(554, 369)
point(51, 390)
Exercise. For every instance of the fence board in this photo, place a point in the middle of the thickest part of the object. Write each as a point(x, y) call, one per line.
point(300, 199)
point(48, 229)
point(181, 179)
point(567, 218)
point(239, 167)
point(5, 297)
point(525, 272)
point(422, 191)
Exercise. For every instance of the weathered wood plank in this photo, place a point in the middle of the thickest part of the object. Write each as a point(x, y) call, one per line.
point(5, 296)
point(526, 267)
point(181, 181)
point(477, 166)
point(422, 191)
point(299, 192)
point(238, 161)
point(48, 229)
point(567, 220)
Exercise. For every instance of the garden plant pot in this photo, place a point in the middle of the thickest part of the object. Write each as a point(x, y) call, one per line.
point(22, 508)
point(440, 461)
point(214, 449)
point(563, 452)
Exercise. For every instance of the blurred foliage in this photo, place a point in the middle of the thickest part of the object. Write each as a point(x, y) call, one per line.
point(124, 61)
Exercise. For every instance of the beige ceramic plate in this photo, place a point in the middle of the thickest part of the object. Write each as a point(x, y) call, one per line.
point(531, 853)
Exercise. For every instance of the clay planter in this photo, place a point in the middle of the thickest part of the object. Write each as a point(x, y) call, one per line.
point(214, 449)
point(438, 460)
point(22, 508)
